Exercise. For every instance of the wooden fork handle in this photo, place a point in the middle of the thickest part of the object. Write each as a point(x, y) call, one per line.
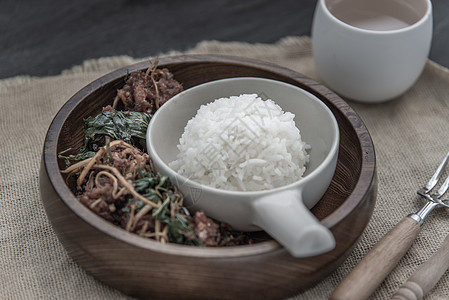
point(378, 263)
point(426, 276)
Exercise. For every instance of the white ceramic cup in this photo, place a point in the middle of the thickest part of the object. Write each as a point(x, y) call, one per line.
point(282, 212)
point(371, 50)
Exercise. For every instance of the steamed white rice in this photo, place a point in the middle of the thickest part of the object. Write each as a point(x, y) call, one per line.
point(242, 143)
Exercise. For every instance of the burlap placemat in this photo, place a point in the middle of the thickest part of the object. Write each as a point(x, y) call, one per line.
point(410, 135)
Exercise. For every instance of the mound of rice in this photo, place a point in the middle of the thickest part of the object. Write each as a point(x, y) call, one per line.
point(242, 143)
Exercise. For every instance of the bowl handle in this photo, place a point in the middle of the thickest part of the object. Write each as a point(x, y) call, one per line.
point(284, 216)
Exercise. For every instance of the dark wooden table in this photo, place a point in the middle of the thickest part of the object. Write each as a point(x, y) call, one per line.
point(45, 37)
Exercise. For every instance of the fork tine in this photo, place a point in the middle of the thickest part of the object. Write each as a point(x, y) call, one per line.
point(443, 188)
point(436, 176)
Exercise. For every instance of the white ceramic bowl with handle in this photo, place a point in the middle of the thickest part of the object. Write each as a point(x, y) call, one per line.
point(282, 212)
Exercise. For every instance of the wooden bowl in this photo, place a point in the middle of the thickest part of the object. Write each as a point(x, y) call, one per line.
point(148, 269)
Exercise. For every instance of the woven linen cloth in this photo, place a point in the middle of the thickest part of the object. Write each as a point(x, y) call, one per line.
point(410, 135)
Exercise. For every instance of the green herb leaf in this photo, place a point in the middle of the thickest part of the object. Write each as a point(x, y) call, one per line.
point(119, 125)
point(139, 204)
point(180, 232)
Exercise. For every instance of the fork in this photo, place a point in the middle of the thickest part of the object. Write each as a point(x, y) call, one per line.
point(385, 255)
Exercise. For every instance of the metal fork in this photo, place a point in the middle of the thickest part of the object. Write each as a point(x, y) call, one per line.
point(433, 199)
point(430, 272)
point(384, 256)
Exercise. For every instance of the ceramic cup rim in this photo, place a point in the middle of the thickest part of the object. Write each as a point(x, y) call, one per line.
point(423, 19)
point(251, 194)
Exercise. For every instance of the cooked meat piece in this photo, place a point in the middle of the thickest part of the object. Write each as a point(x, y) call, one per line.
point(207, 231)
point(140, 94)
